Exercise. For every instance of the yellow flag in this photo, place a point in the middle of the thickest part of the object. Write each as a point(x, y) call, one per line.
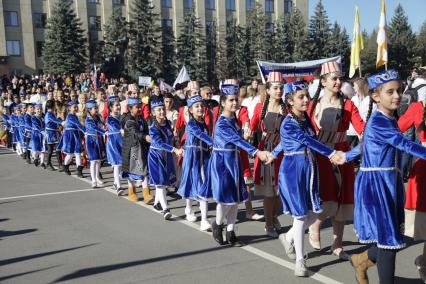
point(357, 46)
point(382, 43)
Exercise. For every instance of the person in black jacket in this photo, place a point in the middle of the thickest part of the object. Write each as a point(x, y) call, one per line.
point(135, 150)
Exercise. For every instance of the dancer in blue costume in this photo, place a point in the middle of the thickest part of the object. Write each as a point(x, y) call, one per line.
point(114, 141)
point(379, 186)
point(21, 126)
point(160, 160)
point(28, 129)
point(225, 179)
point(37, 143)
point(298, 174)
point(52, 134)
point(195, 161)
point(95, 146)
point(14, 124)
point(71, 143)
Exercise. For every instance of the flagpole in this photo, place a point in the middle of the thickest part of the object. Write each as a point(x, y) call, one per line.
point(360, 73)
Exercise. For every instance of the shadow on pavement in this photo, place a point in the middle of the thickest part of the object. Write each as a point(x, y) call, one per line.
point(15, 233)
point(107, 268)
point(25, 273)
point(403, 280)
point(31, 256)
point(4, 219)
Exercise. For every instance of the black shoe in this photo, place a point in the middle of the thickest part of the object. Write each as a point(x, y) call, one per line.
point(43, 165)
point(232, 239)
point(100, 175)
point(36, 162)
point(28, 160)
point(157, 207)
point(166, 214)
point(50, 167)
point(67, 170)
point(80, 171)
point(217, 233)
point(61, 168)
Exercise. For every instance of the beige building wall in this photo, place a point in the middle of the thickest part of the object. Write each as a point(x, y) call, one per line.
point(28, 35)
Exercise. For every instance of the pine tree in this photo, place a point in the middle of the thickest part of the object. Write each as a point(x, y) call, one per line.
point(115, 29)
point(255, 31)
point(318, 33)
point(236, 50)
point(401, 43)
point(282, 43)
point(421, 44)
point(369, 53)
point(64, 49)
point(339, 44)
point(144, 51)
point(168, 54)
point(298, 37)
point(191, 48)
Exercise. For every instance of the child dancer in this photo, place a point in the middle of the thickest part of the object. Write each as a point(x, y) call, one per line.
point(21, 126)
point(94, 142)
point(135, 150)
point(14, 125)
point(225, 181)
point(160, 160)
point(37, 142)
point(298, 175)
point(52, 134)
point(379, 187)
point(114, 141)
point(71, 139)
point(28, 129)
point(194, 165)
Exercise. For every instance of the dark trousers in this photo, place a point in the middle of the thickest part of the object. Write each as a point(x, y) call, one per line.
point(9, 139)
point(50, 149)
point(385, 261)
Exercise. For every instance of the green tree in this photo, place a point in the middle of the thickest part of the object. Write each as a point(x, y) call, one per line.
point(255, 32)
point(318, 33)
point(298, 36)
point(282, 43)
point(421, 44)
point(369, 53)
point(115, 29)
point(168, 54)
point(236, 52)
point(65, 45)
point(191, 48)
point(401, 43)
point(339, 44)
point(144, 50)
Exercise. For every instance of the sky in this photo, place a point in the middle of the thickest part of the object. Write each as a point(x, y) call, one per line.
point(343, 11)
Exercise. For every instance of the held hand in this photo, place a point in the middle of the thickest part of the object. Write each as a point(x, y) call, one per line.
point(263, 155)
point(122, 132)
point(339, 158)
point(63, 123)
point(148, 139)
point(270, 159)
point(178, 152)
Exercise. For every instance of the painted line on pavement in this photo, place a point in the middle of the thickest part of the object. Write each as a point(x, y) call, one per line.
point(49, 193)
point(260, 253)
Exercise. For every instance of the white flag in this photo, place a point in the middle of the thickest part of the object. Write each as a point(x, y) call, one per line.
point(164, 87)
point(182, 77)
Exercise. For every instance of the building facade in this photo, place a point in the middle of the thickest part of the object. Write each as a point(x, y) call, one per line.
point(23, 22)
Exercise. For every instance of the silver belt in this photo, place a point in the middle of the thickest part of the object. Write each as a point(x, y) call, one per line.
point(226, 149)
point(155, 148)
point(373, 169)
point(71, 129)
point(51, 129)
point(294, 153)
point(113, 133)
point(197, 147)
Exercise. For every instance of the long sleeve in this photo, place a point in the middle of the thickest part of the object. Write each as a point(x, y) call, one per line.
point(356, 119)
point(255, 121)
point(180, 122)
point(277, 150)
point(195, 130)
point(74, 121)
point(406, 121)
point(157, 141)
point(353, 154)
point(52, 118)
point(293, 130)
point(230, 135)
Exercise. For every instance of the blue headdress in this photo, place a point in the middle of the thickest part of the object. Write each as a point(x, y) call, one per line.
point(40, 106)
point(91, 104)
point(113, 99)
point(133, 101)
point(228, 90)
point(295, 86)
point(193, 100)
point(156, 103)
point(381, 78)
point(72, 103)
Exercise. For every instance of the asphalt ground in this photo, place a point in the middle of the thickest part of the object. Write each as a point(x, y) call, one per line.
point(55, 228)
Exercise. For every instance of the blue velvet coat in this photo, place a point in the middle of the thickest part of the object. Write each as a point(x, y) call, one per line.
point(195, 160)
point(225, 179)
point(52, 123)
point(71, 139)
point(14, 125)
point(28, 125)
point(379, 187)
point(160, 159)
point(38, 141)
point(298, 183)
point(21, 125)
point(95, 145)
point(114, 141)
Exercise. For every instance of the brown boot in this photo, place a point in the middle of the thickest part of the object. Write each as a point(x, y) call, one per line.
point(131, 195)
point(361, 263)
point(147, 197)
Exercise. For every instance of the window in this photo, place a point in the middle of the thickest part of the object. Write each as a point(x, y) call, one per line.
point(230, 5)
point(95, 23)
point(288, 5)
point(166, 3)
point(167, 24)
point(188, 4)
point(118, 2)
point(39, 48)
point(11, 18)
point(40, 20)
point(94, 1)
point(210, 4)
point(13, 47)
point(249, 5)
point(269, 6)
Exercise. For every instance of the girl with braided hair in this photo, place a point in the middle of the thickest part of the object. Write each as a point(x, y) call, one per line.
point(268, 117)
point(379, 187)
point(415, 194)
point(331, 116)
point(298, 184)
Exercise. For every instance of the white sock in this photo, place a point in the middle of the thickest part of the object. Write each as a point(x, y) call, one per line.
point(78, 159)
point(116, 170)
point(145, 182)
point(203, 209)
point(93, 170)
point(221, 213)
point(68, 159)
point(131, 183)
point(161, 192)
point(298, 235)
point(231, 217)
point(188, 208)
point(98, 169)
point(42, 157)
point(18, 149)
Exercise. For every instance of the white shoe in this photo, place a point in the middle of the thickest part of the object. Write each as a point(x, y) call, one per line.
point(94, 184)
point(300, 268)
point(288, 247)
point(191, 217)
point(254, 217)
point(271, 232)
point(100, 182)
point(205, 226)
point(421, 268)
